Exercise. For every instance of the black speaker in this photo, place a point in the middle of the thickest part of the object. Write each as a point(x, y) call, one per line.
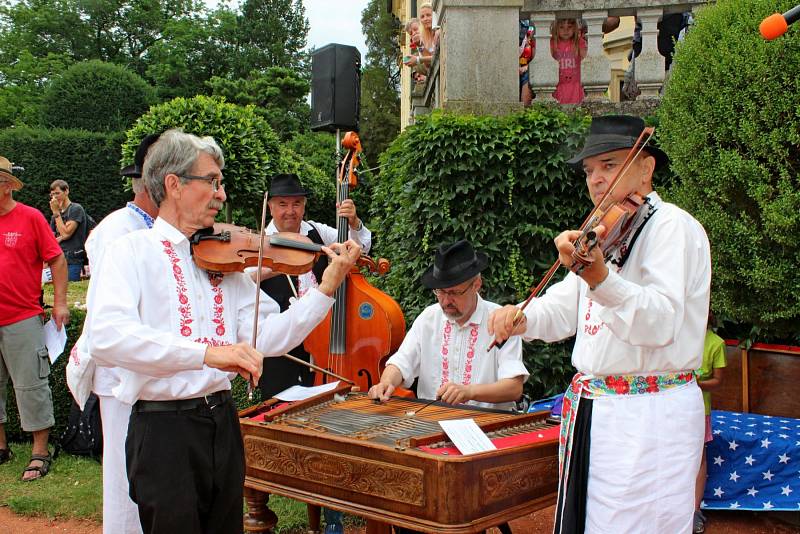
point(335, 88)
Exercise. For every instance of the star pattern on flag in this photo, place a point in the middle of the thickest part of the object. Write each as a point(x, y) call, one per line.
point(752, 463)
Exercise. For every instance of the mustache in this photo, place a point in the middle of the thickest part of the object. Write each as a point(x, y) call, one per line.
point(215, 205)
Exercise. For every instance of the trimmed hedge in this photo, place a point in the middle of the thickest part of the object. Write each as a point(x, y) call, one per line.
point(250, 147)
point(88, 161)
point(95, 96)
point(730, 122)
point(500, 182)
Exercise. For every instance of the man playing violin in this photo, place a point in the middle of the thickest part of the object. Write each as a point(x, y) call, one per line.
point(633, 426)
point(446, 346)
point(177, 336)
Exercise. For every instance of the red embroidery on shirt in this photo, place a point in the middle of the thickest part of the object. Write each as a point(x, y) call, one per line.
point(591, 329)
point(184, 308)
point(473, 339)
point(213, 342)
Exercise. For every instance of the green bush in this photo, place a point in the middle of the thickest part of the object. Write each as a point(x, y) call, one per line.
point(88, 161)
point(95, 96)
point(250, 146)
point(730, 121)
point(499, 182)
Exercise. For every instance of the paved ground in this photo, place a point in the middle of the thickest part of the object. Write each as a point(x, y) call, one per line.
point(539, 523)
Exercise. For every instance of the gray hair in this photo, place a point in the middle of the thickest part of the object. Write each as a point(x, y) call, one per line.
point(175, 153)
point(411, 22)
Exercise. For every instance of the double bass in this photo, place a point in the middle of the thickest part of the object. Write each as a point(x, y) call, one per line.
point(365, 325)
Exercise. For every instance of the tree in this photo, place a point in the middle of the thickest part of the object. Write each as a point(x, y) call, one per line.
point(22, 85)
point(250, 146)
point(731, 128)
point(278, 94)
point(380, 99)
point(95, 96)
point(271, 33)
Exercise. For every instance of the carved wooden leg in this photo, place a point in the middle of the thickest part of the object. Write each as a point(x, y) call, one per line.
point(259, 518)
point(377, 527)
point(314, 513)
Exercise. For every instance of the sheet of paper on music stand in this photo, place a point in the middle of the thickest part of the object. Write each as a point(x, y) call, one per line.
point(296, 393)
point(54, 340)
point(467, 436)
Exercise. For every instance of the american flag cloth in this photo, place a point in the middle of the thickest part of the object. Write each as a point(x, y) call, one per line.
point(753, 463)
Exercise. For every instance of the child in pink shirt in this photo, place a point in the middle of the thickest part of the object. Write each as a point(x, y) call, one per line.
point(568, 47)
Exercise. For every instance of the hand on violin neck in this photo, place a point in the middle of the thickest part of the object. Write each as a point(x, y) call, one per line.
point(239, 358)
point(596, 271)
point(341, 258)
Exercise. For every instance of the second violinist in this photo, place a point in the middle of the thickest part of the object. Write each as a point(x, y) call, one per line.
point(633, 417)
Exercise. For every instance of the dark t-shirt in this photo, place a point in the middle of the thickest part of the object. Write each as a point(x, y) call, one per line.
point(73, 247)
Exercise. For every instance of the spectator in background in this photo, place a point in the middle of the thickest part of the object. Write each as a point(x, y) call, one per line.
point(70, 225)
point(568, 47)
point(428, 36)
point(527, 51)
point(26, 243)
point(415, 59)
point(670, 27)
point(709, 378)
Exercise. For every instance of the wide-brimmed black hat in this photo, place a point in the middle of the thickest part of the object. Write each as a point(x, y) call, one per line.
point(453, 265)
point(135, 170)
point(615, 132)
point(287, 185)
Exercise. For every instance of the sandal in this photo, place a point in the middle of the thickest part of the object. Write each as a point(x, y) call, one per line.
point(43, 469)
point(5, 455)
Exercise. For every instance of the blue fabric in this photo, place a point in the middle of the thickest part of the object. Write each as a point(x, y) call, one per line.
point(753, 463)
point(74, 272)
point(550, 403)
point(333, 521)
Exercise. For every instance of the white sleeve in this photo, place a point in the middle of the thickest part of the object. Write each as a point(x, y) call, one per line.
point(329, 235)
point(117, 337)
point(509, 360)
point(280, 332)
point(651, 312)
point(554, 316)
point(408, 356)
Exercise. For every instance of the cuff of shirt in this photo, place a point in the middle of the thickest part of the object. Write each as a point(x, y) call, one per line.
point(315, 302)
point(611, 291)
point(512, 370)
point(192, 357)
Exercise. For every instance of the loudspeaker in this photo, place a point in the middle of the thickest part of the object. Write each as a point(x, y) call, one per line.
point(335, 88)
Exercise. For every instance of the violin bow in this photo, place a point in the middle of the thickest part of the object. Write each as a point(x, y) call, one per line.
point(633, 153)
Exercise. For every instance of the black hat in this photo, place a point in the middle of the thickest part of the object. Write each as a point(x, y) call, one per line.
point(453, 265)
point(287, 185)
point(615, 132)
point(135, 170)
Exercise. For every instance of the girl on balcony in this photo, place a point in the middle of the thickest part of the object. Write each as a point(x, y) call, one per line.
point(430, 37)
point(568, 47)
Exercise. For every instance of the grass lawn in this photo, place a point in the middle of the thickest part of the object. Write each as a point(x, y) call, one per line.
point(76, 293)
point(74, 489)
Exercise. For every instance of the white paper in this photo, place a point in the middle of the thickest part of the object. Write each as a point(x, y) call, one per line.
point(467, 436)
point(296, 393)
point(54, 340)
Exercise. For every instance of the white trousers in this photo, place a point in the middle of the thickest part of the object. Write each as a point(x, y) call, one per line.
point(120, 513)
point(643, 461)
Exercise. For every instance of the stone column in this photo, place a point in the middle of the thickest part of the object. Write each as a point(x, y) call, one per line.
point(543, 70)
point(650, 64)
point(479, 56)
point(595, 67)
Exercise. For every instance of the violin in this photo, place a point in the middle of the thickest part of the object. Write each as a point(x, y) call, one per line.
point(227, 248)
point(615, 216)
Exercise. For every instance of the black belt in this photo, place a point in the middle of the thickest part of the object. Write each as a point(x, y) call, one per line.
point(210, 401)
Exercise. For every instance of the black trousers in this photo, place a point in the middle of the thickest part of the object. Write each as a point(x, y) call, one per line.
point(573, 520)
point(186, 470)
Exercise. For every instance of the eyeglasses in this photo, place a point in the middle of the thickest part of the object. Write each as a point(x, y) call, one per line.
point(451, 292)
point(216, 183)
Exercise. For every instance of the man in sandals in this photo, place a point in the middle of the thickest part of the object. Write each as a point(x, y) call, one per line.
point(25, 243)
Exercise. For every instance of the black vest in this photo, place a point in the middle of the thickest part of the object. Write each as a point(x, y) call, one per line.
point(281, 373)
